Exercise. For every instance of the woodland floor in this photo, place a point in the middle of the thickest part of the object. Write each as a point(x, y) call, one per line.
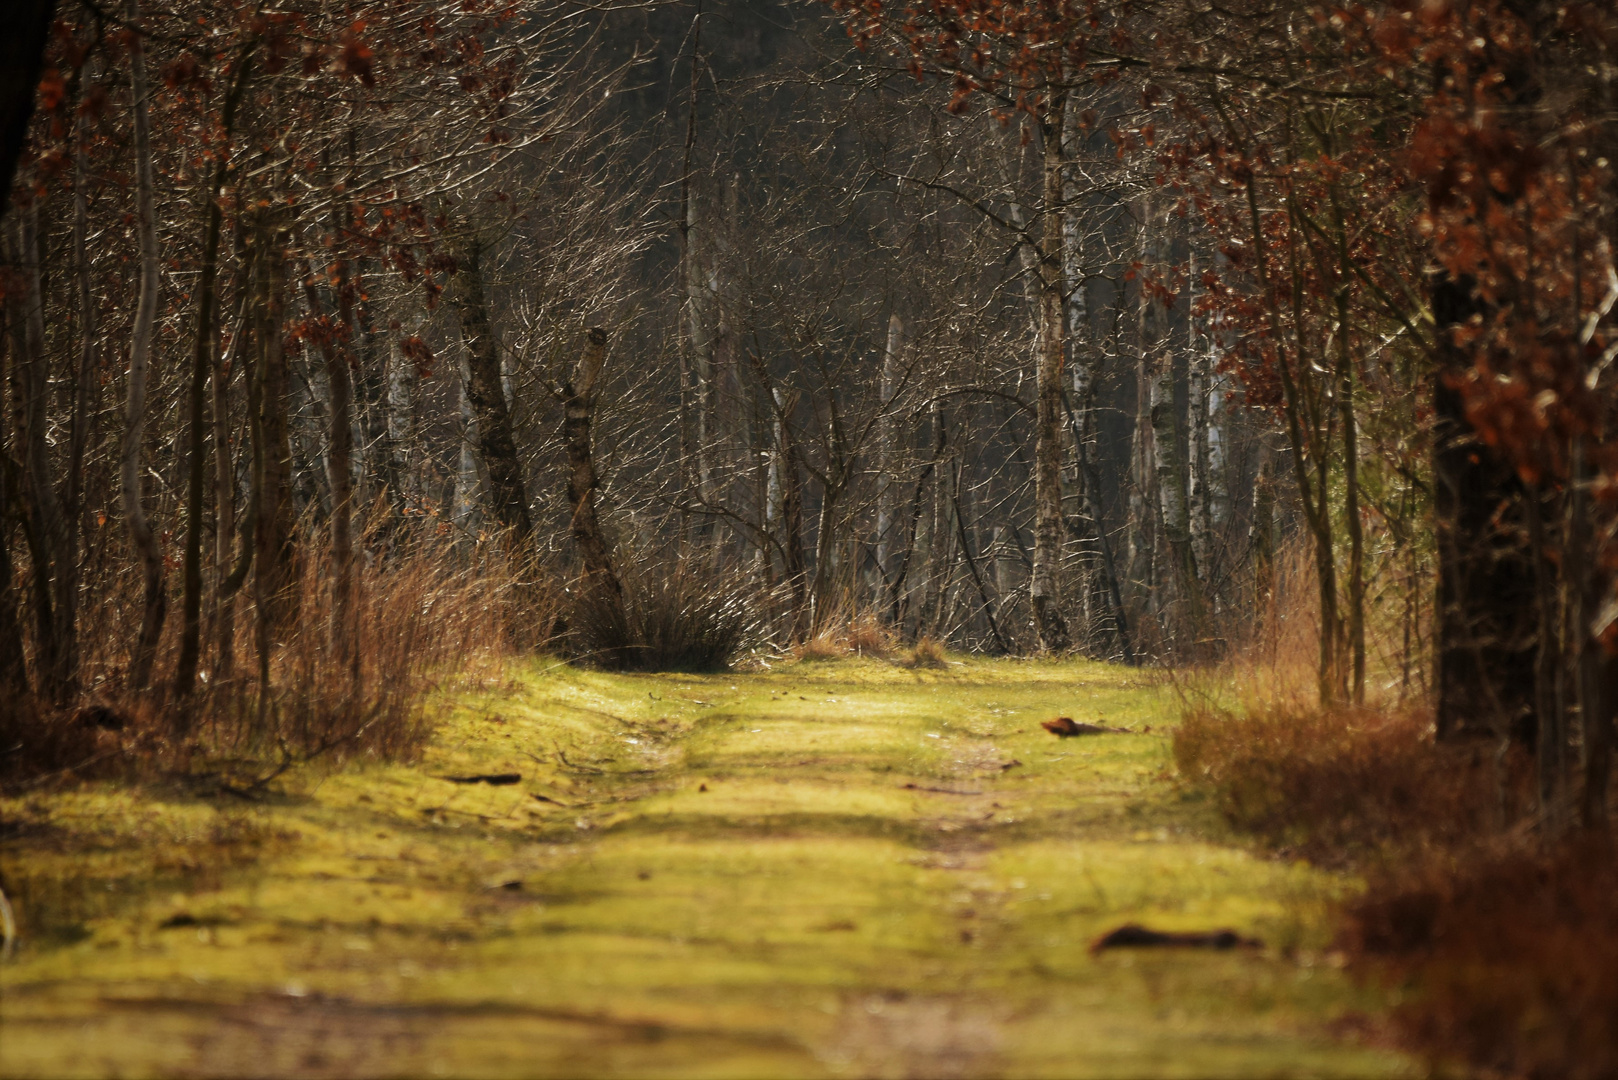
point(826, 869)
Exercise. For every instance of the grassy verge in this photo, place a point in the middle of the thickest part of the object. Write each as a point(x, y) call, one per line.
point(834, 868)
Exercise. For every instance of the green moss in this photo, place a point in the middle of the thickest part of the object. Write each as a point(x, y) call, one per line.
point(843, 868)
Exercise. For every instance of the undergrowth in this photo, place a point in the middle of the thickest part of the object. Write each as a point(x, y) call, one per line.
point(1511, 952)
point(674, 613)
point(1502, 939)
point(1336, 784)
point(421, 622)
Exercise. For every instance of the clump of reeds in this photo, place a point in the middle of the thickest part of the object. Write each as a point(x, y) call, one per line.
point(859, 634)
point(927, 653)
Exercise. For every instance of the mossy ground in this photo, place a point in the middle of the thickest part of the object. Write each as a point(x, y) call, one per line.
point(844, 869)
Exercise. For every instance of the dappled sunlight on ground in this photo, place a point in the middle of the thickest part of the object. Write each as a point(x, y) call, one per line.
point(843, 869)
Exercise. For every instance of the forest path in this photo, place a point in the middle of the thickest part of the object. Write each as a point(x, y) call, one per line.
point(827, 869)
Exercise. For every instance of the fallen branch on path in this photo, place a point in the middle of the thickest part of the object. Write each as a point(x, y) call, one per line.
point(1134, 936)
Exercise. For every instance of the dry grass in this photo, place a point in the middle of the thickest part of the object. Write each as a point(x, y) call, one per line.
point(427, 615)
point(928, 653)
point(860, 634)
point(678, 614)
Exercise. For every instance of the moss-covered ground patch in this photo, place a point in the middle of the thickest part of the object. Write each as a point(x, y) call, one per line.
point(841, 869)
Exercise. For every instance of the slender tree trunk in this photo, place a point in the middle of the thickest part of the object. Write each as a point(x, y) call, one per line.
point(202, 363)
point(274, 552)
point(140, 350)
point(464, 512)
point(1049, 620)
point(401, 411)
point(972, 565)
point(887, 491)
point(578, 409)
point(1200, 379)
point(1550, 752)
point(1175, 504)
point(226, 583)
point(1261, 537)
point(1486, 619)
point(13, 667)
point(46, 526)
point(797, 560)
point(85, 384)
point(337, 356)
point(1594, 669)
point(1351, 503)
point(507, 491)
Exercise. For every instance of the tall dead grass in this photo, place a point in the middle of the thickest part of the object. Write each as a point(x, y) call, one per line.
point(428, 617)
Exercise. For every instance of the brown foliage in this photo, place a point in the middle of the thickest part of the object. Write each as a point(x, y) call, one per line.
point(1512, 954)
point(1330, 783)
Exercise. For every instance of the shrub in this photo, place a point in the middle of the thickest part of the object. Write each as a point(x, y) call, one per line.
point(1331, 783)
point(857, 635)
point(676, 615)
point(1508, 954)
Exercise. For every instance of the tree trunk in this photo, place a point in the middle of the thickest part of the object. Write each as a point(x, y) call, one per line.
point(226, 582)
point(1049, 620)
point(68, 568)
point(1355, 623)
point(507, 493)
point(578, 409)
point(1261, 537)
point(1550, 751)
point(13, 667)
point(1175, 505)
point(202, 364)
point(464, 511)
point(887, 486)
point(336, 354)
point(22, 53)
point(45, 524)
point(796, 558)
point(1486, 618)
point(272, 452)
point(140, 350)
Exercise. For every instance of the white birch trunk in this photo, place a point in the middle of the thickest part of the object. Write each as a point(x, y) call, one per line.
point(464, 513)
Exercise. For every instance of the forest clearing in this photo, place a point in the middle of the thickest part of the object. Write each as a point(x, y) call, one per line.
point(841, 868)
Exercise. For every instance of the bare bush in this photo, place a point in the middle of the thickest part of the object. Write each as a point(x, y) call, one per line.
point(677, 614)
